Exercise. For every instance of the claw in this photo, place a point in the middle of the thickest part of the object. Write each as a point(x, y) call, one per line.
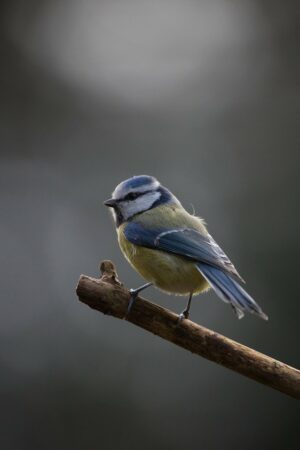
point(182, 316)
point(133, 295)
point(131, 301)
point(185, 314)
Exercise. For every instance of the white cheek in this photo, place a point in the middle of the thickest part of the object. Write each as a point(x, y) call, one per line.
point(142, 203)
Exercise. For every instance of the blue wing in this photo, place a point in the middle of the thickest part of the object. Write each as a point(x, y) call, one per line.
point(209, 259)
point(184, 242)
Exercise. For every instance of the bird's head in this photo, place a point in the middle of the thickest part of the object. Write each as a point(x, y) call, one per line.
point(136, 195)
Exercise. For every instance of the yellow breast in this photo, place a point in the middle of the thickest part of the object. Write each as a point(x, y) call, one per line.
point(170, 273)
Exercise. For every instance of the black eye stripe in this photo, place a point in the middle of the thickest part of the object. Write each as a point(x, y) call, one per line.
point(131, 196)
point(134, 195)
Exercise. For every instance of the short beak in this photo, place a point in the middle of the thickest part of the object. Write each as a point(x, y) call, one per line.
point(111, 203)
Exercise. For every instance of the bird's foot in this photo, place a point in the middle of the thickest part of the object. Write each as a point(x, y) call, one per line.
point(182, 316)
point(133, 295)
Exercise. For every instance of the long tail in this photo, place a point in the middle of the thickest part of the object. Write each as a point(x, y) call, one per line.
point(230, 291)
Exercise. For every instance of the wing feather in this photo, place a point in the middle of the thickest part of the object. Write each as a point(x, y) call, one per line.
point(185, 242)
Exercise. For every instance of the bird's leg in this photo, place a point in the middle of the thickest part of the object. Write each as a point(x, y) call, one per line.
point(133, 295)
point(185, 313)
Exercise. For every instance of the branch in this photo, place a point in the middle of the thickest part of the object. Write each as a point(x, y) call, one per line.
point(109, 296)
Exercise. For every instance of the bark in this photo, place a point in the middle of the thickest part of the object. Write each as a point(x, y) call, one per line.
point(109, 296)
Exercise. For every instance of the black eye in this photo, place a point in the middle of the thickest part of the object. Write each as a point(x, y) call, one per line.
point(131, 196)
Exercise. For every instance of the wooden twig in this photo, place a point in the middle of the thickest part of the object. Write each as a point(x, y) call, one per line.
point(109, 296)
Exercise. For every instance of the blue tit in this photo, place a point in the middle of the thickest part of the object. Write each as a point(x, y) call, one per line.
point(171, 248)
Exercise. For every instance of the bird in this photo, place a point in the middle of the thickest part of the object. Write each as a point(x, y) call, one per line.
point(171, 248)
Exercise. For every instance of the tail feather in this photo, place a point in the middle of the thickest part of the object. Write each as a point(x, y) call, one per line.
point(230, 291)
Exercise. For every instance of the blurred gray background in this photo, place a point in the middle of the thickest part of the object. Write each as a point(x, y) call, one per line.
point(202, 95)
